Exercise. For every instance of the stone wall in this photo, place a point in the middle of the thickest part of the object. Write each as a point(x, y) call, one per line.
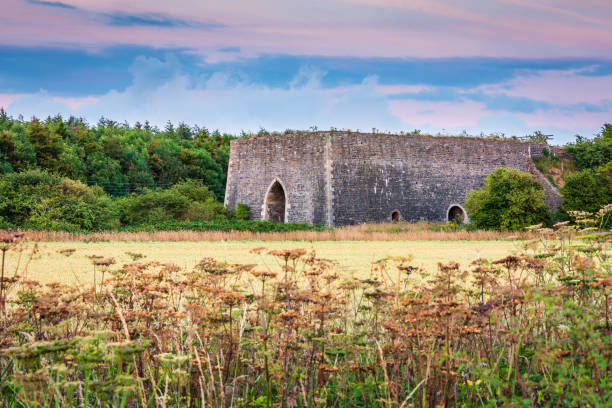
point(296, 160)
point(421, 177)
point(341, 178)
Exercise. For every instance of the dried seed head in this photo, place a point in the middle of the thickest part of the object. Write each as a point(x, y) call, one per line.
point(104, 261)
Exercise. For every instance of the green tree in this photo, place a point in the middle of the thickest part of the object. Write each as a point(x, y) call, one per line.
point(510, 199)
point(47, 144)
point(538, 137)
point(106, 173)
point(8, 151)
point(592, 153)
point(72, 163)
point(586, 191)
point(120, 158)
point(164, 162)
point(136, 168)
point(5, 120)
point(200, 165)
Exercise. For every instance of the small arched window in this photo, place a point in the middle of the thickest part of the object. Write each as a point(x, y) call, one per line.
point(456, 214)
point(396, 216)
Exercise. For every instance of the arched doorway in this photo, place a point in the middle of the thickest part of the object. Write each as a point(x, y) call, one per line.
point(276, 201)
point(396, 216)
point(456, 214)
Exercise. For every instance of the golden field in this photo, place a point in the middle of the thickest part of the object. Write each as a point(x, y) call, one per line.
point(53, 263)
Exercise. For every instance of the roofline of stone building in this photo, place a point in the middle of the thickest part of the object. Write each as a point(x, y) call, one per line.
point(408, 135)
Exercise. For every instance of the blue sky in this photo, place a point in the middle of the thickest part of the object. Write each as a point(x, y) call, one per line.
point(507, 66)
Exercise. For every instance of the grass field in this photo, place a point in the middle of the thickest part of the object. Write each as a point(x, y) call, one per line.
point(354, 257)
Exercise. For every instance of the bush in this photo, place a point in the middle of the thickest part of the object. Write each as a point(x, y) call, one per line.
point(224, 226)
point(187, 201)
point(592, 153)
point(510, 199)
point(586, 191)
point(242, 212)
point(37, 199)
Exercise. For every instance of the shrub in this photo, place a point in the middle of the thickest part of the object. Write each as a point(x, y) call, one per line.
point(592, 153)
point(586, 191)
point(187, 201)
point(37, 199)
point(242, 212)
point(224, 226)
point(510, 199)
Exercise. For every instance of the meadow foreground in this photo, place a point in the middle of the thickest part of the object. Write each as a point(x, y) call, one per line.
point(530, 329)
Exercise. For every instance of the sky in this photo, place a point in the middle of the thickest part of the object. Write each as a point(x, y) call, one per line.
point(442, 66)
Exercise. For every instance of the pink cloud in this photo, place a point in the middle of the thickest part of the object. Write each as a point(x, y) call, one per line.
point(542, 120)
point(391, 28)
point(7, 99)
point(451, 116)
point(557, 87)
point(75, 103)
point(557, 10)
point(399, 89)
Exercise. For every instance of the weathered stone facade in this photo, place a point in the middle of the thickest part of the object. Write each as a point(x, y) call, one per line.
point(342, 178)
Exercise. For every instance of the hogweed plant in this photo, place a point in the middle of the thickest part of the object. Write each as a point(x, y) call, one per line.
point(9, 241)
point(530, 329)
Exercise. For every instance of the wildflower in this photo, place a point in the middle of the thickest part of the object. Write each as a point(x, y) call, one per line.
point(264, 274)
point(289, 315)
point(104, 261)
point(451, 266)
point(485, 307)
point(67, 252)
point(602, 282)
point(231, 298)
point(510, 262)
point(472, 329)
point(288, 253)
point(212, 267)
point(10, 237)
point(533, 263)
point(326, 368)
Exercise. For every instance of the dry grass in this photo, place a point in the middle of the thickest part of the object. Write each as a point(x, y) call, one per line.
point(363, 232)
point(70, 263)
point(531, 329)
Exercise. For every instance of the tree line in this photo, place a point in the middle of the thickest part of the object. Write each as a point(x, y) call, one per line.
point(64, 174)
point(120, 158)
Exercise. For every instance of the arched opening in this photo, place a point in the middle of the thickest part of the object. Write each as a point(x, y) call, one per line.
point(275, 203)
point(396, 216)
point(456, 214)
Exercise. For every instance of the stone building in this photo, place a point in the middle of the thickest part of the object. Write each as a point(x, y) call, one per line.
point(342, 178)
